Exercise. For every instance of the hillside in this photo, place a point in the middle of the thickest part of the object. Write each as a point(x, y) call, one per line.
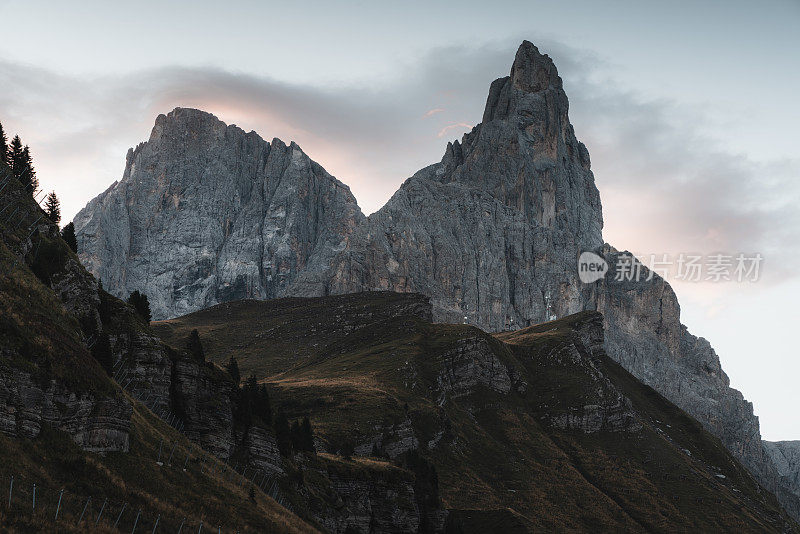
point(66, 426)
point(531, 430)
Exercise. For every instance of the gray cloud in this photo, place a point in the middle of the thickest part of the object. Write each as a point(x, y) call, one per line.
point(665, 187)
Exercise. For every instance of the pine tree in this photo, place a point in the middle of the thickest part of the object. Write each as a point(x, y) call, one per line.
point(53, 207)
point(264, 408)
point(142, 306)
point(297, 440)
point(283, 434)
point(3, 146)
point(15, 157)
point(233, 370)
point(68, 235)
point(28, 173)
point(252, 385)
point(194, 346)
point(22, 164)
point(307, 436)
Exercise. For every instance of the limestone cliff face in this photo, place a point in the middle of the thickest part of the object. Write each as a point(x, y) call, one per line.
point(206, 213)
point(645, 335)
point(785, 456)
point(491, 232)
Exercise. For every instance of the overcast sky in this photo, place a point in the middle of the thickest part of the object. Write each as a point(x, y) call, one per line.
point(689, 111)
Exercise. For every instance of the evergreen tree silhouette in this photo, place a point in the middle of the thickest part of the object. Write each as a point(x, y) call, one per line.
point(3, 146)
point(53, 207)
point(15, 157)
point(194, 346)
point(233, 370)
point(68, 235)
point(142, 306)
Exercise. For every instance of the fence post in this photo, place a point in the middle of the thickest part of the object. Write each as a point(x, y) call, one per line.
point(120, 515)
point(136, 521)
point(58, 506)
point(10, 491)
point(156, 525)
point(175, 444)
point(97, 521)
point(85, 506)
point(34, 497)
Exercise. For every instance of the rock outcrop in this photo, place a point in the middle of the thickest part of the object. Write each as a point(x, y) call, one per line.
point(95, 424)
point(786, 456)
point(206, 213)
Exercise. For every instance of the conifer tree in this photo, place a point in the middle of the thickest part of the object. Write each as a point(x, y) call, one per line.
point(194, 346)
point(15, 157)
point(142, 306)
point(306, 436)
point(297, 440)
point(53, 207)
point(21, 163)
point(3, 146)
point(233, 370)
point(68, 235)
point(28, 174)
point(283, 434)
point(264, 408)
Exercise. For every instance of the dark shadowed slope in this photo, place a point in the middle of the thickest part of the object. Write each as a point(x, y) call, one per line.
point(533, 430)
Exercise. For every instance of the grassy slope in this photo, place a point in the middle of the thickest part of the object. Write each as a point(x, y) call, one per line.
point(54, 463)
point(288, 330)
point(40, 337)
point(496, 453)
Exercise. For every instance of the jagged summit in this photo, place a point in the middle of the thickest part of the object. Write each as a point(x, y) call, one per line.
point(207, 213)
point(533, 76)
point(533, 71)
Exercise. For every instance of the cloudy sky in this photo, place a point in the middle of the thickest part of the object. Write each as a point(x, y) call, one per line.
point(689, 111)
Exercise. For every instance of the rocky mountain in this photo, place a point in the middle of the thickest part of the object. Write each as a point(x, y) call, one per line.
point(206, 213)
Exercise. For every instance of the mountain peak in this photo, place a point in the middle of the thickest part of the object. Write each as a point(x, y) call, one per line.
point(533, 71)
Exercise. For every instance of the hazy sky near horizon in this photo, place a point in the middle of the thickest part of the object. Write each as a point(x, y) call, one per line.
point(689, 111)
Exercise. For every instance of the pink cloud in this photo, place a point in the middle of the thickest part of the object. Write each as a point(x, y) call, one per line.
point(432, 112)
point(452, 126)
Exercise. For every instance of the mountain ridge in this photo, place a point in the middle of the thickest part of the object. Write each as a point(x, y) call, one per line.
point(491, 234)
